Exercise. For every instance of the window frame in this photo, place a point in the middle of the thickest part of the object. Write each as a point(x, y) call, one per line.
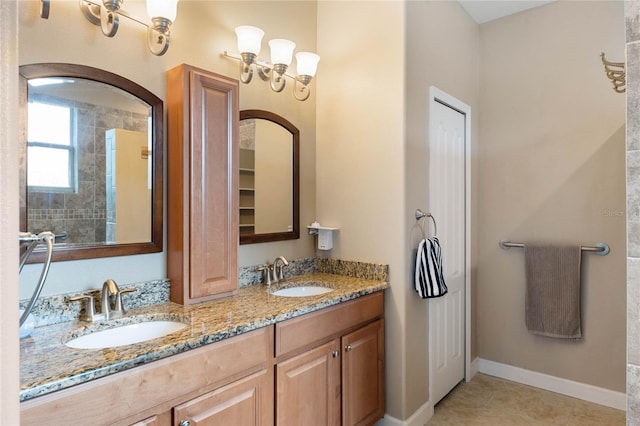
point(71, 150)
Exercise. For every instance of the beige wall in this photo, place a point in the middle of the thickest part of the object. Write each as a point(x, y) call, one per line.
point(552, 156)
point(442, 50)
point(202, 31)
point(360, 153)
point(9, 353)
point(367, 153)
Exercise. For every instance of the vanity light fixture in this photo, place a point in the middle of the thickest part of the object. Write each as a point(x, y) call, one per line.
point(107, 15)
point(281, 55)
point(249, 43)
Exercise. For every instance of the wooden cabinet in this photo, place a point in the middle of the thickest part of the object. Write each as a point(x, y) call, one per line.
point(244, 402)
point(218, 381)
point(308, 387)
point(363, 375)
point(337, 382)
point(202, 184)
point(323, 368)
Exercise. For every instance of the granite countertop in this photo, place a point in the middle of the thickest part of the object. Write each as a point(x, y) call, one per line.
point(47, 365)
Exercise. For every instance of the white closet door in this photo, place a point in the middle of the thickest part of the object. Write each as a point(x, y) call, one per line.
point(447, 204)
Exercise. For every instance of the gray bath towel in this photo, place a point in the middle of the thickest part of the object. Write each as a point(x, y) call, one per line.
point(553, 290)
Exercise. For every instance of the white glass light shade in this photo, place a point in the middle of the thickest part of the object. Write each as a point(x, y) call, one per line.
point(249, 39)
point(307, 63)
point(167, 9)
point(281, 51)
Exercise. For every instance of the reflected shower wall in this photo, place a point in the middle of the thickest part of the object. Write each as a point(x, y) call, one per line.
point(82, 213)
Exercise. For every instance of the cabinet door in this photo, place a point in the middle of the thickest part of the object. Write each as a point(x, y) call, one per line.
point(247, 402)
point(214, 187)
point(308, 388)
point(363, 375)
point(202, 217)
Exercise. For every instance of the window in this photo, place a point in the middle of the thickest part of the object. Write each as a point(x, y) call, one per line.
point(51, 148)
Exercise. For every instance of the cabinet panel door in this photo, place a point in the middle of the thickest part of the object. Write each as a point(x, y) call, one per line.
point(363, 375)
point(214, 187)
point(308, 388)
point(247, 402)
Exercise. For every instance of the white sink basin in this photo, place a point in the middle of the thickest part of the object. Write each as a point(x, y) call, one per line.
point(302, 291)
point(125, 335)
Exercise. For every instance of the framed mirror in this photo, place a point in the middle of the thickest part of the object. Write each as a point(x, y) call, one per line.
point(269, 178)
point(91, 161)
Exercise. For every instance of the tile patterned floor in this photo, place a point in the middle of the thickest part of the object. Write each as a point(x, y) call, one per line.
point(488, 400)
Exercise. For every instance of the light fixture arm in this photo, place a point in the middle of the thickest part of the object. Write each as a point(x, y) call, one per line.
point(109, 21)
point(91, 11)
point(45, 6)
point(159, 36)
point(278, 82)
point(246, 71)
point(107, 15)
point(301, 89)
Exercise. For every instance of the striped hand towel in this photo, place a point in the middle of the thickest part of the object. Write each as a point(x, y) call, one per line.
point(429, 279)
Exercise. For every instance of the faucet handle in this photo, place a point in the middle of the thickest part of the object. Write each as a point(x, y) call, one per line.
point(90, 311)
point(119, 306)
point(266, 273)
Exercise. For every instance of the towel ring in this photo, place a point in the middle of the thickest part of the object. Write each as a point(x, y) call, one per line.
point(422, 215)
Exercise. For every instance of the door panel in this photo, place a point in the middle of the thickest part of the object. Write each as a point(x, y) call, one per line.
point(447, 204)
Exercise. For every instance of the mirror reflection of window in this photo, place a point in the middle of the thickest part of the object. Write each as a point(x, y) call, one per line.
point(51, 147)
point(96, 102)
point(68, 152)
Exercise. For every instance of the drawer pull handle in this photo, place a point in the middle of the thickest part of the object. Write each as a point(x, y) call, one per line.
point(348, 348)
point(185, 423)
point(335, 354)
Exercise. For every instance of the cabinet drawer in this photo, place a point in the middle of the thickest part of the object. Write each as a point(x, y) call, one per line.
point(298, 333)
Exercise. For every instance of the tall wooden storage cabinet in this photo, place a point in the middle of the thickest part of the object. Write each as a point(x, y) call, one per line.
point(202, 184)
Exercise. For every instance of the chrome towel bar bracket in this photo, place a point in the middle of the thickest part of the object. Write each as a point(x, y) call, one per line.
point(601, 249)
point(422, 215)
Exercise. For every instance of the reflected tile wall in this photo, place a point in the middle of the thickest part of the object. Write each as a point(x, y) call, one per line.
point(83, 214)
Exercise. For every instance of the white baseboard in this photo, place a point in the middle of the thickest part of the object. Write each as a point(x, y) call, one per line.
point(567, 387)
point(421, 416)
point(474, 368)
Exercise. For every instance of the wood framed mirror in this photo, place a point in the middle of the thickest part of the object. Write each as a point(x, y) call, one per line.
point(269, 178)
point(91, 161)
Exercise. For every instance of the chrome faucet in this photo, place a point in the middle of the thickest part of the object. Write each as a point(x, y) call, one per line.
point(272, 273)
point(278, 268)
point(110, 288)
point(108, 310)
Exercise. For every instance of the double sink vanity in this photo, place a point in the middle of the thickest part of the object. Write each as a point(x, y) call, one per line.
point(307, 350)
point(248, 359)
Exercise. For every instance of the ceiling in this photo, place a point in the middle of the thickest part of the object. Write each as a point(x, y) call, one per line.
point(487, 10)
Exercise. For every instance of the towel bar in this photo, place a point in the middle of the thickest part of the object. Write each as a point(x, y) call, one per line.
point(601, 249)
